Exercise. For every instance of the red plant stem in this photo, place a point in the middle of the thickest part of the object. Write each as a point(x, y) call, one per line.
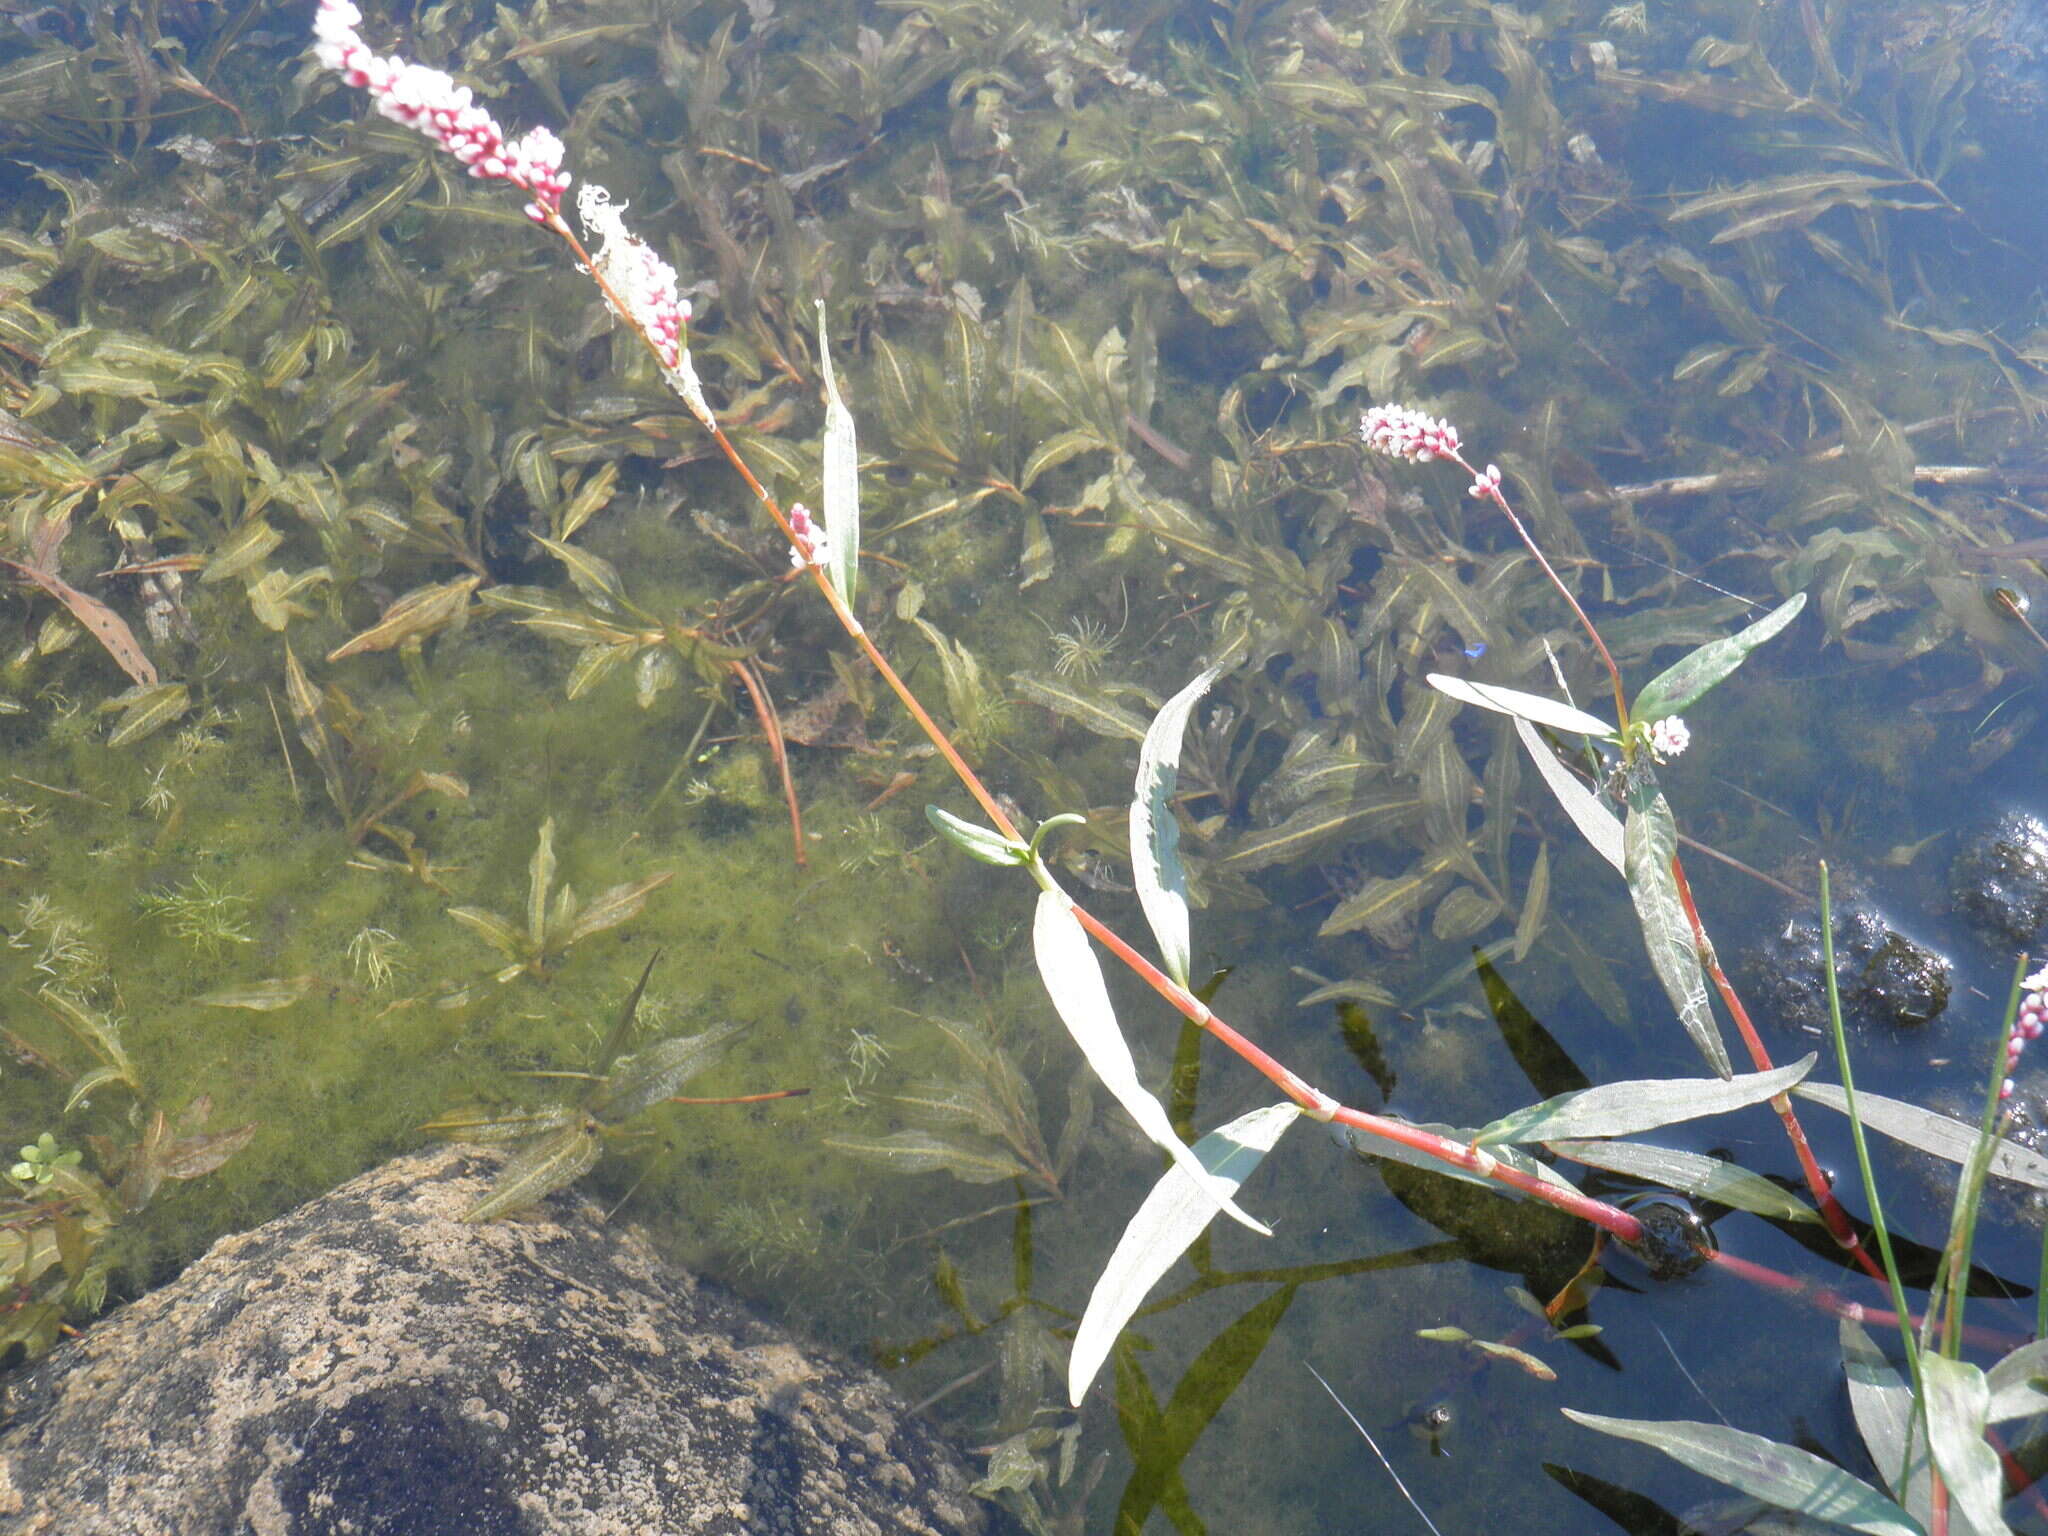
point(741, 1098)
point(1831, 1210)
point(1835, 1304)
point(771, 724)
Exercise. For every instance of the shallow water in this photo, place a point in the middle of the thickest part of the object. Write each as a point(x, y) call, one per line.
point(1106, 305)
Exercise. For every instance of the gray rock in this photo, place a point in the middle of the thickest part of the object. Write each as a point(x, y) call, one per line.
point(368, 1364)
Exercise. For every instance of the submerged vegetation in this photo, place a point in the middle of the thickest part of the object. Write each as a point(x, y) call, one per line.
point(351, 541)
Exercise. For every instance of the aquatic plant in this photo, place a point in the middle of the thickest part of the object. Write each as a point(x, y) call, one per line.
point(555, 921)
point(555, 1145)
point(640, 289)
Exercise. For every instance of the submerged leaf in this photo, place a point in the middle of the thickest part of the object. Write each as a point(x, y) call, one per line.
point(917, 1151)
point(421, 612)
point(655, 1072)
point(266, 996)
point(100, 621)
point(554, 1162)
point(621, 904)
point(1690, 1173)
point(491, 1127)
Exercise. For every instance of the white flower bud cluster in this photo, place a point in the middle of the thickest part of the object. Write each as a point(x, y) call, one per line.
point(432, 103)
point(1401, 432)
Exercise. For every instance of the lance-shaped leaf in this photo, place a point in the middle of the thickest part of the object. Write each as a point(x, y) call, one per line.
point(1365, 1144)
point(1930, 1132)
point(1523, 706)
point(1781, 1475)
point(655, 1072)
point(967, 1158)
point(266, 996)
point(1173, 1216)
point(421, 612)
point(1596, 823)
point(841, 489)
point(1678, 687)
point(540, 878)
point(495, 930)
point(1649, 840)
point(620, 904)
point(144, 711)
point(1155, 833)
point(1690, 1173)
point(1957, 1401)
point(554, 1162)
point(982, 843)
point(100, 621)
point(1073, 978)
point(492, 1127)
point(1884, 1410)
point(1627, 1109)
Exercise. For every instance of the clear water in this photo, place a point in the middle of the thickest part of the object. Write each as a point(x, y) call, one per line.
point(1239, 247)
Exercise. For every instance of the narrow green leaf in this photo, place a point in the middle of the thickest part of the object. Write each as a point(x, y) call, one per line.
point(1690, 1173)
point(1678, 687)
point(1782, 1475)
point(266, 996)
point(982, 843)
point(1957, 1401)
point(555, 1162)
point(495, 930)
point(1522, 706)
point(540, 879)
point(1175, 1213)
point(494, 1127)
point(1939, 1134)
point(593, 573)
point(967, 1158)
point(148, 710)
point(1084, 706)
point(1883, 1406)
point(1155, 833)
point(1649, 840)
point(1073, 978)
point(1630, 1108)
point(621, 904)
point(655, 1072)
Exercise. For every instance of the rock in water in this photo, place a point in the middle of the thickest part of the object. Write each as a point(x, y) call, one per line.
point(370, 1364)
